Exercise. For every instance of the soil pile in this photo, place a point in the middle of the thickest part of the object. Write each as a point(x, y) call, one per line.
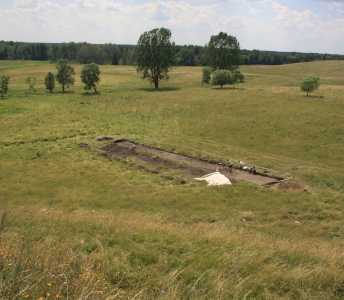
point(291, 186)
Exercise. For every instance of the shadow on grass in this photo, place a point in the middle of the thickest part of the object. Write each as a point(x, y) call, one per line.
point(87, 94)
point(227, 88)
point(163, 89)
point(36, 94)
point(313, 96)
point(65, 92)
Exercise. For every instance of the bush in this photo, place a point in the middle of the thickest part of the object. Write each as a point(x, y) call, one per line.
point(206, 75)
point(310, 84)
point(222, 77)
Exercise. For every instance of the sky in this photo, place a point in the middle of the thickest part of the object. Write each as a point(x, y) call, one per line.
point(275, 25)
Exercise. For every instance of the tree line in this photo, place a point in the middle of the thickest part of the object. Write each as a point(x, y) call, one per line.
point(83, 53)
point(156, 56)
point(187, 55)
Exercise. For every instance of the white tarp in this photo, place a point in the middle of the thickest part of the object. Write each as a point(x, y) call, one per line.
point(215, 178)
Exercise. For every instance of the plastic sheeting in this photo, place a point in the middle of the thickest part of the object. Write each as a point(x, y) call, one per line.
point(215, 178)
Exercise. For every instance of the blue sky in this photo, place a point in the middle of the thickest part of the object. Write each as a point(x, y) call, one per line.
point(279, 25)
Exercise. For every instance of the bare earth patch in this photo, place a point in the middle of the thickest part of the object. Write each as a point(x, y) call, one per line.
point(291, 186)
point(192, 166)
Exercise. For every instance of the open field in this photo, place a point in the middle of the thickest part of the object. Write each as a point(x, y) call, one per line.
point(76, 225)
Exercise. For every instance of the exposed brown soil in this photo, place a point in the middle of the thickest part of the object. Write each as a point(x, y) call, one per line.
point(291, 186)
point(192, 166)
point(84, 145)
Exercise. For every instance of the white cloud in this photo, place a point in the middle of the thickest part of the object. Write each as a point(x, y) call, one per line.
point(293, 18)
point(46, 6)
point(109, 5)
point(30, 6)
point(83, 4)
point(24, 3)
point(335, 6)
point(94, 21)
point(183, 14)
point(40, 21)
point(253, 24)
point(331, 29)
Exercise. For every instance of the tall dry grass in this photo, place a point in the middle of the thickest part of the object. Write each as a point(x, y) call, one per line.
point(100, 255)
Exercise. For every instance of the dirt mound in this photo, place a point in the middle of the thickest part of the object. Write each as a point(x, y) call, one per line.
point(291, 186)
point(84, 145)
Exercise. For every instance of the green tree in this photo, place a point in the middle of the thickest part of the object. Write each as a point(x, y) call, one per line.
point(310, 84)
point(222, 77)
point(155, 55)
point(54, 52)
point(49, 82)
point(186, 56)
point(90, 76)
point(206, 75)
point(237, 76)
point(115, 59)
point(64, 74)
point(5, 80)
point(31, 82)
point(223, 52)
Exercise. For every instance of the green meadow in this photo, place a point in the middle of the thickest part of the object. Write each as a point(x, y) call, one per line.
point(76, 225)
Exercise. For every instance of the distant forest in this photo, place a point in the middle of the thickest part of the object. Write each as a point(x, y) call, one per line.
point(188, 55)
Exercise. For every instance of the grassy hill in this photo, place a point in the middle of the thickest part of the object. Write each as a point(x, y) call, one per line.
point(76, 225)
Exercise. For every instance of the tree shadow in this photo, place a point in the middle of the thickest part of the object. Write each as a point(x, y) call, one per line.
point(227, 89)
point(313, 96)
point(163, 89)
point(65, 92)
point(87, 94)
point(35, 94)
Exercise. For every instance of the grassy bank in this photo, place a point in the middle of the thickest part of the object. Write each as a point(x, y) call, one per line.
point(77, 226)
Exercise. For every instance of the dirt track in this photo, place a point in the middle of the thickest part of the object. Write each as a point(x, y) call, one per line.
point(192, 166)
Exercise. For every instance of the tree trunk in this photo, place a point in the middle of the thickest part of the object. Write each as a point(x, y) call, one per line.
point(94, 87)
point(156, 84)
point(62, 88)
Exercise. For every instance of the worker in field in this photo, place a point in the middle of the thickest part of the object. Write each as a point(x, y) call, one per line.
point(241, 164)
point(230, 166)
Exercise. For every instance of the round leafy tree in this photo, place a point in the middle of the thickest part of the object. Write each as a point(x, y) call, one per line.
point(64, 74)
point(90, 76)
point(223, 52)
point(156, 55)
point(310, 84)
point(222, 77)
